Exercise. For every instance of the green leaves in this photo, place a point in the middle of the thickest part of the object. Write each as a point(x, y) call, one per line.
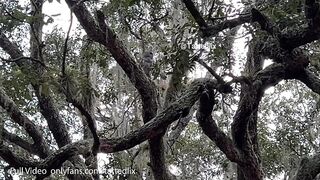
point(12, 18)
point(132, 2)
point(15, 84)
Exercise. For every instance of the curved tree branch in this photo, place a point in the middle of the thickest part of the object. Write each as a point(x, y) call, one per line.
point(310, 80)
point(22, 143)
point(295, 37)
point(156, 126)
point(309, 168)
point(18, 117)
point(14, 160)
point(227, 24)
point(210, 128)
point(104, 35)
point(54, 161)
point(47, 106)
point(90, 120)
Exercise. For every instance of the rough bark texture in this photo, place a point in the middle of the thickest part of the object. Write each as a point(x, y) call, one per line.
point(282, 48)
point(210, 128)
point(152, 129)
point(309, 168)
point(102, 34)
point(47, 105)
point(39, 145)
point(290, 62)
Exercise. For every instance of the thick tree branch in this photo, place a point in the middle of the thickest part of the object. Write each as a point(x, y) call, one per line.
point(179, 127)
point(18, 117)
point(270, 76)
point(291, 66)
point(157, 125)
point(14, 160)
point(21, 142)
point(310, 79)
point(195, 14)
point(311, 10)
point(295, 37)
point(309, 168)
point(243, 132)
point(295, 59)
point(227, 24)
point(110, 40)
point(54, 161)
point(47, 107)
point(210, 128)
point(46, 103)
point(55, 122)
point(10, 48)
point(104, 35)
point(264, 22)
point(300, 37)
point(177, 109)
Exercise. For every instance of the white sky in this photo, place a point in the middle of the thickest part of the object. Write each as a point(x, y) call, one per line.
point(62, 19)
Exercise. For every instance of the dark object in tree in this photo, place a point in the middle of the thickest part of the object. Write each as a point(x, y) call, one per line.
point(147, 62)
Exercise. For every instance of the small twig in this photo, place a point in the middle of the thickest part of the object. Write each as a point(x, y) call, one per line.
point(65, 48)
point(215, 75)
point(211, 9)
point(131, 30)
point(129, 106)
point(222, 85)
